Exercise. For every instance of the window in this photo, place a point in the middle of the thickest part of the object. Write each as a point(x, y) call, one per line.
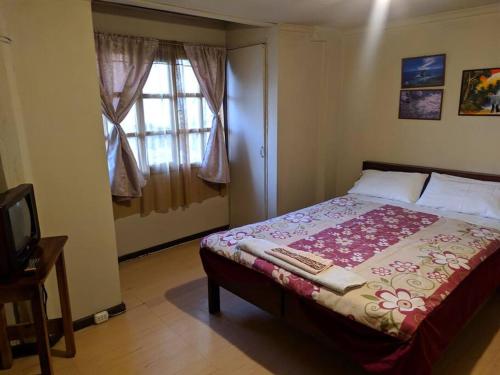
point(151, 123)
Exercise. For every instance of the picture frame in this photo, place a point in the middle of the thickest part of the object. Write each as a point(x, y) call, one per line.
point(423, 71)
point(480, 92)
point(421, 104)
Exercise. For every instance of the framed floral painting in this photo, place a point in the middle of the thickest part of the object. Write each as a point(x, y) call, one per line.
point(421, 104)
point(480, 92)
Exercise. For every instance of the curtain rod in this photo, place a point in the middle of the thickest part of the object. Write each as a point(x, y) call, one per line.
point(171, 42)
point(161, 41)
point(246, 46)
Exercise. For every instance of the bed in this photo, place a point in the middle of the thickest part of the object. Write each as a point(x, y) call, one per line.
point(427, 272)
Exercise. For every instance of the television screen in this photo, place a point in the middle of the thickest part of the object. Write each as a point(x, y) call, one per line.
point(20, 218)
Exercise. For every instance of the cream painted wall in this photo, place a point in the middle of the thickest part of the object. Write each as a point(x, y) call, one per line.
point(300, 117)
point(369, 127)
point(14, 160)
point(328, 133)
point(135, 233)
point(13, 148)
point(113, 18)
point(53, 64)
point(3, 180)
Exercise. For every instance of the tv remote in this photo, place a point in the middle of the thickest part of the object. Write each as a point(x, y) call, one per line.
point(32, 265)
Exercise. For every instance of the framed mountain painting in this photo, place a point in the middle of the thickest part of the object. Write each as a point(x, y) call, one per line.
point(423, 71)
point(480, 92)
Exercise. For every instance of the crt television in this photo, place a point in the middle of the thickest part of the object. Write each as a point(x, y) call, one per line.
point(19, 228)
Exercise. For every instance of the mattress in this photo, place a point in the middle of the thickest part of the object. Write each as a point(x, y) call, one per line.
point(412, 257)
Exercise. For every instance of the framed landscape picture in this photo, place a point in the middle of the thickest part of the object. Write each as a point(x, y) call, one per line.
point(423, 71)
point(420, 104)
point(480, 92)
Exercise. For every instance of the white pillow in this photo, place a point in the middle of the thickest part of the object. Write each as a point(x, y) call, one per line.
point(462, 195)
point(398, 186)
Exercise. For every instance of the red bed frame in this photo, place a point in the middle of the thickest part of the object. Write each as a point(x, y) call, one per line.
point(375, 351)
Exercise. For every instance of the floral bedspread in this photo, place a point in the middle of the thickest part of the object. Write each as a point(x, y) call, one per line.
point(411, 260)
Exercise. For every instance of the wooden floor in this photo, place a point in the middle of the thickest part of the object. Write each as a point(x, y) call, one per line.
point(167, 330)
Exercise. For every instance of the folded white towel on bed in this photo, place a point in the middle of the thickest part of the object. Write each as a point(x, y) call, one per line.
point(335, 278)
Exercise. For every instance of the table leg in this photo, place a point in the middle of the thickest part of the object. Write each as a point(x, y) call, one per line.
point(62, 284)
point(42, 335)
point(5, 351)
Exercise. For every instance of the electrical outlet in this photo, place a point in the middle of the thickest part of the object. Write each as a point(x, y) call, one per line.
point(101, 317)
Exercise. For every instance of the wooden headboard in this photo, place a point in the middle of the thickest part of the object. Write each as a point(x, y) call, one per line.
point(381, 166)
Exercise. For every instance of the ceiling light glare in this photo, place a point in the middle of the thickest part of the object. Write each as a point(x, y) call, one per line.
point(373, 34)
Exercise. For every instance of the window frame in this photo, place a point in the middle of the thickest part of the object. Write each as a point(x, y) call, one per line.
point(141, 122)
point(141, 134)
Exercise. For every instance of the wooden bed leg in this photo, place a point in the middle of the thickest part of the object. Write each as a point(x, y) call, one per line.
point(213, 297)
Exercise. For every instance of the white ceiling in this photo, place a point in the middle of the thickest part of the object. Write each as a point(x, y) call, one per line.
point(335, 13)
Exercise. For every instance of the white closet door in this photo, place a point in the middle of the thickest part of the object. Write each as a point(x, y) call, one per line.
point(246, 85)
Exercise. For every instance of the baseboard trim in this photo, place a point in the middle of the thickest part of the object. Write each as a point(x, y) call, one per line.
point(30, 348)
point(88, 320)
point(163, 246)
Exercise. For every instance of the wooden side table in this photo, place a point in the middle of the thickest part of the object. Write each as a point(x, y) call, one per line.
point(30, 287)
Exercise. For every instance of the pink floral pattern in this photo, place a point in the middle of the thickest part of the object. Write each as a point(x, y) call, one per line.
point(411, 260)
point(451, 260)
point(443, 238)
point(359, 239)
point(438, 276)
point(298, 217)
point(484, 233)
point(400, 299)
point(404, 266)
point(280, 235)
point(232, 238)
point(298, 284)
point(381, 271)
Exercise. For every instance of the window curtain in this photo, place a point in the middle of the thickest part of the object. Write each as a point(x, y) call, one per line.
point(209, 67)
point(124, 63)
point(171, 184)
